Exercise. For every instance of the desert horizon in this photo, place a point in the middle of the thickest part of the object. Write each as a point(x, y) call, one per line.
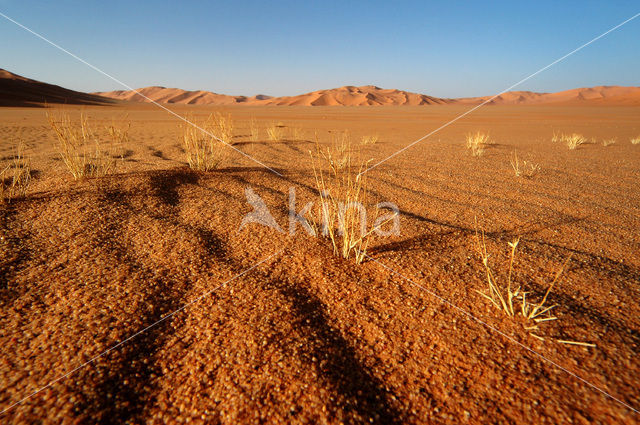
point(354, 255)
point(368, 95)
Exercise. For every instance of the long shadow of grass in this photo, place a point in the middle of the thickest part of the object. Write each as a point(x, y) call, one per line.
point(122, 388)
point(362, 397)
point(16, 252)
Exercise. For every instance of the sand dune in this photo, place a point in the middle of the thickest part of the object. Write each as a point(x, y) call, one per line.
point(357, 96)
point(613, 95)
point(172, 95)
point(20, 91)
point(16, 90)
point(376, 96)
point(345, 96)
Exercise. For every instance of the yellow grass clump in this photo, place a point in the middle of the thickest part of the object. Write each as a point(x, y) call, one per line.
point(342, 189)
point(204, 142)
point(84, 152)
point(635, 141)
point(254, 131)
point(572, 140)
point(369, 140)
point(477, 142)
point(296, 134)
point(609, 142)
point(526, 169)
point(512, 299)
point(15, 176)
point(221, 126)
point(274, 132)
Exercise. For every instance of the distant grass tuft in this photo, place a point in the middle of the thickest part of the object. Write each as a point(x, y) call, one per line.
point(477, 142)
point(369, 140)
point(274, 132)
point(254, 131)
point(572, 140)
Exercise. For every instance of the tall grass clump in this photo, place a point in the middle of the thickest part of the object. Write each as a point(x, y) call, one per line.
point(204, 142)
point(526, 169)
point(254, 131)
point(343, 197)
point(476, 142)
point(296, 134)
point(15, 176)
point(84, 151)
point(221, 126)
point(275, 132)
point(511, 298)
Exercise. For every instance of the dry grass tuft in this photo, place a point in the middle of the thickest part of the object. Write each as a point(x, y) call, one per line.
point(369, 140)
point(338, 154)
point(16, 176)
point(296, 134)
point(477, 142)
point(609, 142)
point(635, 141)
point(525, 168)
point(205, 149)
point(254, 131)
point(221, 126)
point(511, 298)
point(81, 148)
point(342, 198)
point(572, 140)
point(118, 133)
point(274, 132)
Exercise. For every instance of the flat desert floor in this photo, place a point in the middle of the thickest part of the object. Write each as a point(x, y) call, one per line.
point(306, 336)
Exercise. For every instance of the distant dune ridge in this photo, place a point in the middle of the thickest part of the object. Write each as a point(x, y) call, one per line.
point(376, 96)
point(347, 96)
point(614, 95)
point(20, 91)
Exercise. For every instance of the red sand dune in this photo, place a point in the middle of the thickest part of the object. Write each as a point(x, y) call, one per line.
point(170, 95)
point(20, 91)
point(347, 96)
point(605, 95)
point(16, 90)
point(376, 96)
point(357, 96)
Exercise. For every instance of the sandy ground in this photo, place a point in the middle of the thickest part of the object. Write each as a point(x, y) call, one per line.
point(306, 337)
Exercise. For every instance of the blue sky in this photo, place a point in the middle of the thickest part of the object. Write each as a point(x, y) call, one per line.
point(441, 48)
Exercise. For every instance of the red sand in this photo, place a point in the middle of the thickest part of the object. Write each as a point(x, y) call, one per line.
point(306, 336)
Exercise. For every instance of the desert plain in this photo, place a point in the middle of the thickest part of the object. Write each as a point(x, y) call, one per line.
point(259, 325)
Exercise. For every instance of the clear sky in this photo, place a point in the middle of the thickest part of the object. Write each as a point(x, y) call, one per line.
point(441, 48)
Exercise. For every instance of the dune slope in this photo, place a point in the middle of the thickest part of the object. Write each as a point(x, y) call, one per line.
point(16, 90)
